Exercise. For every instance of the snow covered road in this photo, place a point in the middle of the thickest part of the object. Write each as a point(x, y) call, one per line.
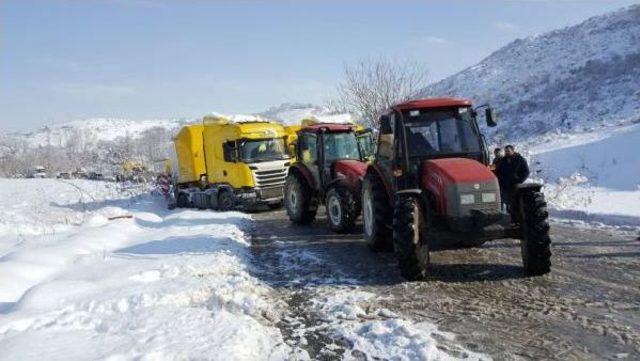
point(186, 284)
point(345, 301)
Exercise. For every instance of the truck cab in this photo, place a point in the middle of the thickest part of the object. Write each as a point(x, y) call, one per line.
point(225, 164)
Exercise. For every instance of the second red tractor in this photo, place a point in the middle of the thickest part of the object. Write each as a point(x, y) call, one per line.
point(329, 168)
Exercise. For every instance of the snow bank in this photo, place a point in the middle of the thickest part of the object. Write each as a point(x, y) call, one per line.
point(158, 285)
point(592, 176)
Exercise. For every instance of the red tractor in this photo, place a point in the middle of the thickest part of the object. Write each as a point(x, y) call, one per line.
point(328, 169)
point(430, 187)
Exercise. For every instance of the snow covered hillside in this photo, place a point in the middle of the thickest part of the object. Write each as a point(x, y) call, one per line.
point(575, 79)
point(293, 113)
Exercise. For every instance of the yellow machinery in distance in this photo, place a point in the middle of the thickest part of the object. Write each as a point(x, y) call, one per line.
point(221, 164)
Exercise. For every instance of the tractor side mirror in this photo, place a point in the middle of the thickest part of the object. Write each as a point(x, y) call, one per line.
point(491, 118)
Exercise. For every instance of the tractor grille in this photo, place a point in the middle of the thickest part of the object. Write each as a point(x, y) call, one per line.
point(270, 178)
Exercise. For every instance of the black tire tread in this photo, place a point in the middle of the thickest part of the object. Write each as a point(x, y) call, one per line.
point(382, 213)
point(309, 207)
point(536, 243)
point(349, 209)
point(404, 236)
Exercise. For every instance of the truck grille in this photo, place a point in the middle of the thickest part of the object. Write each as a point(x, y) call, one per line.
point(270, 178)
point(268, 193)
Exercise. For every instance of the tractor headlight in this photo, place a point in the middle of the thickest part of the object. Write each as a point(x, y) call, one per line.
point(489, 197)
point(467, 199)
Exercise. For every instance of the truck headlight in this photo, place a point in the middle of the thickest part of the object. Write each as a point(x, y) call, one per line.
point(489, 197)
point(467, 199)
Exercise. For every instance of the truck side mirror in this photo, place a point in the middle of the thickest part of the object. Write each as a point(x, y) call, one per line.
point(491, 118)
point(292, 149)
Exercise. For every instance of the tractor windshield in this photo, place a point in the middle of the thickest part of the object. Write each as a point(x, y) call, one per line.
point(262, 150)
point(340, 146)
point(437, 132)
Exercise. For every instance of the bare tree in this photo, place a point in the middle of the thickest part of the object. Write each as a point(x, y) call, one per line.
point(371, 86)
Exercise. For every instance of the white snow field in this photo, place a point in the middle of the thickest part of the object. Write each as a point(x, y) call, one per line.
point(159, 285)
point(77, 286)
point(592, 176)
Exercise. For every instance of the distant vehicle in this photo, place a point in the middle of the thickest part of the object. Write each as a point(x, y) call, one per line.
point(80, 174)
point(63, 175)
point(39, 172)
point(95, 176)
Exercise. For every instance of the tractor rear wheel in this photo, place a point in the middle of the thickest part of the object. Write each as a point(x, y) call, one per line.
point(535, 244)
point(341, 209)
point(298, 199)
point(411, 251)
point(182, 200)
point(376, 213)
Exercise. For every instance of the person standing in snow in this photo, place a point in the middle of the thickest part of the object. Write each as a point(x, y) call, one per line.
point(511, 170)
point(497, 157)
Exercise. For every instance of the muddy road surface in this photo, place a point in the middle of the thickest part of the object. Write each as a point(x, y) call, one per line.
point(587, 308)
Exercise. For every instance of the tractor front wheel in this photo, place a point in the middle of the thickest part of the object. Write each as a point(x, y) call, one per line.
point(341, 209)
point(298, 199)
point(376, 214)
point(535, 243)
point(411, 251)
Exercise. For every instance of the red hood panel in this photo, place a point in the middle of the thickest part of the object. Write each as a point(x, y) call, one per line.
point(458, 170)
point(350, 167)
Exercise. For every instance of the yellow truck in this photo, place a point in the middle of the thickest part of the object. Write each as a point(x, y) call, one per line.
point(363, 135)
point(226, 165)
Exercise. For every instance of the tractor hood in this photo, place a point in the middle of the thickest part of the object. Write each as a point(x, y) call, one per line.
point(349, 172)
point(455, 170)
point(349, 168)
point(449, 178)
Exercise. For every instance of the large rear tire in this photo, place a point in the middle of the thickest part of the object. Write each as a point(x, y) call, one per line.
point(299, 200)
point(341, 209)
point(411, 251)
point(376, 214)
point(535, 244)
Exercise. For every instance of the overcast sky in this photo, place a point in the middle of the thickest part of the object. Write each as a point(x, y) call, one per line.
point(64, 60)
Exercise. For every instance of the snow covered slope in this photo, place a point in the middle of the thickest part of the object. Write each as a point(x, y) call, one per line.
point(294, 113)
point(575, 79)
point(93, 130)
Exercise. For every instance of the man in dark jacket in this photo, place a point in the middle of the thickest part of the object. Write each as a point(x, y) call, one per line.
point(511, 171)
point(497, 157)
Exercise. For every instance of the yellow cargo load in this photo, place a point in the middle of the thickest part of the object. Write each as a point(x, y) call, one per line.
point(189, 153)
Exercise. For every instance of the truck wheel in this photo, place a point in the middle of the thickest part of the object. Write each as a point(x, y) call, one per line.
point(341, 209)
point(412, 254)
point(535, 243)
point(301, 207)
point(376, 214)
point(225, 200)
point(182, 200)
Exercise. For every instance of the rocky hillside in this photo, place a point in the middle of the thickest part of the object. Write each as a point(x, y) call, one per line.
point(576, 79)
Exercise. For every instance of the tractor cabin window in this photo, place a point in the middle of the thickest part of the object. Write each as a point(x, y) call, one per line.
point(441, 132)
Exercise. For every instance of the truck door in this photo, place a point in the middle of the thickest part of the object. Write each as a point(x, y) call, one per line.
point(308, 153)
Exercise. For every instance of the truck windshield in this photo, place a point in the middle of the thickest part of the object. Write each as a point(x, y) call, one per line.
point(442, 132)
point(340, 146)
point(262, 150)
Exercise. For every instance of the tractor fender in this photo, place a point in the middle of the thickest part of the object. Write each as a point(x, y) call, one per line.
point(302, 171)
point(375, 171)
